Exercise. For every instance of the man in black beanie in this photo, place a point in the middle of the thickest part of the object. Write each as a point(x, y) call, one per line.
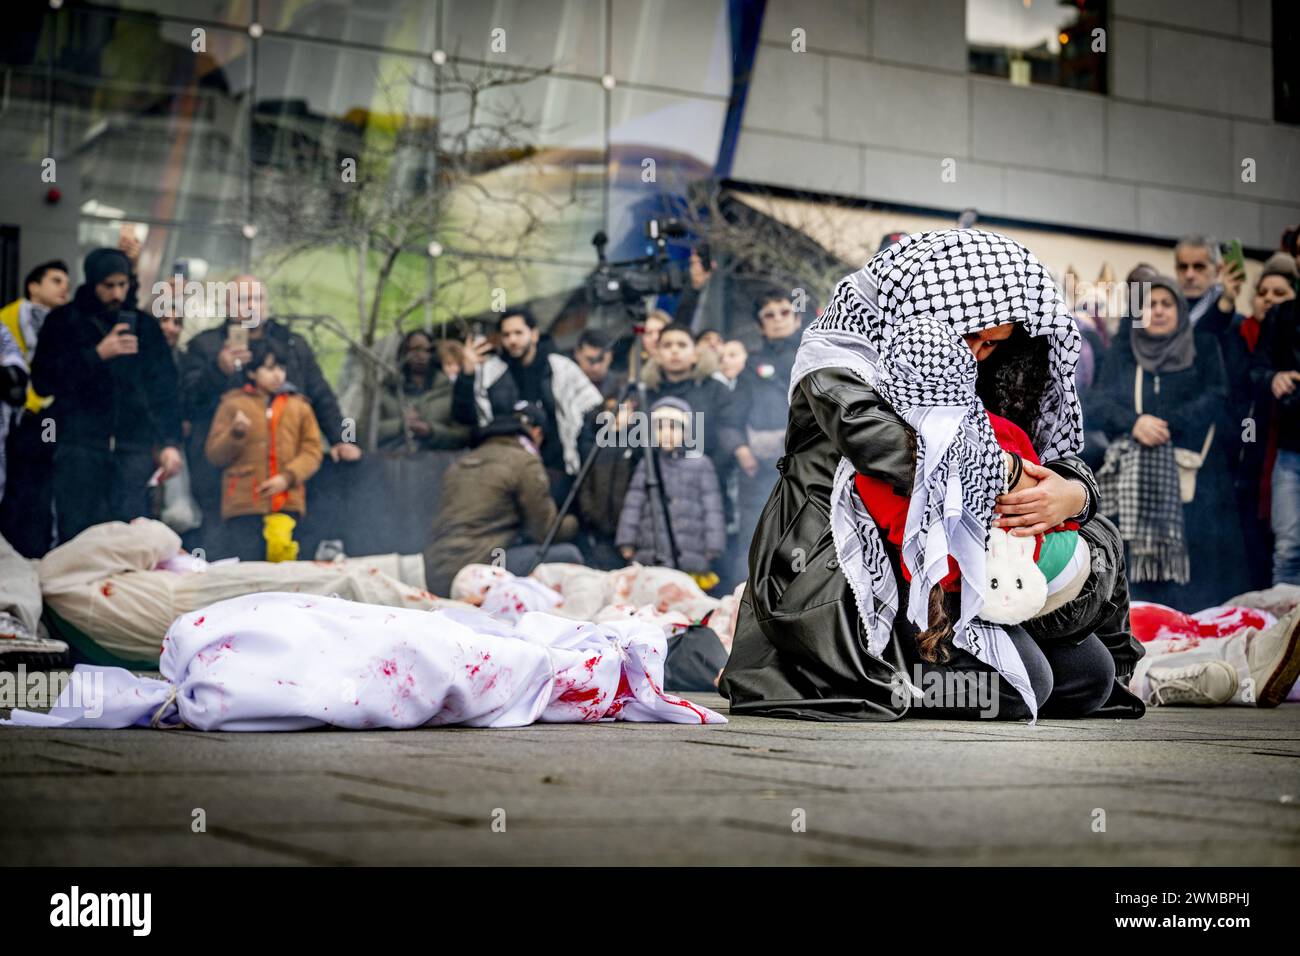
point(116, 413)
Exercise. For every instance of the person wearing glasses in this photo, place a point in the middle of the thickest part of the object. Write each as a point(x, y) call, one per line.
point(762, 390)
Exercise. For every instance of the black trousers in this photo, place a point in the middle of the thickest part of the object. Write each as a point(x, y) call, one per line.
point(27, 511)
point(1069, 680)
point(1071, 677)
point(205, 486)
point(241, 537)
point(93, 485)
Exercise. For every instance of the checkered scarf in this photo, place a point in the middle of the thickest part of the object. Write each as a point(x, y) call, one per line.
point(1139, 489)
point(897, 323)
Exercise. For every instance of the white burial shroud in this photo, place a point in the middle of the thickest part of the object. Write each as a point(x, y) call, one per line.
point(279, 661)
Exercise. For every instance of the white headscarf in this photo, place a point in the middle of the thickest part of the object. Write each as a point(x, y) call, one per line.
point(897, 323)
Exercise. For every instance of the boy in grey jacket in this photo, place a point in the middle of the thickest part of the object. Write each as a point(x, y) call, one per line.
point(692, 493)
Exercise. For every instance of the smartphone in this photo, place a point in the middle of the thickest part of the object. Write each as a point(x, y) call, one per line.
point(1233, 257)
point(237, 336)
point(127, 318)
point(477, 333)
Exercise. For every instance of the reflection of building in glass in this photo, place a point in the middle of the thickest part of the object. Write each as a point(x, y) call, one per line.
point(1039, 43)
point(177, 117)
point(186, 118)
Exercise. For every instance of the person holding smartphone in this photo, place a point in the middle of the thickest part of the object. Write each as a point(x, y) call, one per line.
point(215, 361)
point(115, 419)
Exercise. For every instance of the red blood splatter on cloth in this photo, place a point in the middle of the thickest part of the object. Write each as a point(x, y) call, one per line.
point(676, 701)
point(575, 696)
point(106, 589)
point(589, 700)
point(389, 668)
point(200, 621)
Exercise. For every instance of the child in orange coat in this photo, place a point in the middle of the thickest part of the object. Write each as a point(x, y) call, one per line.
point(266, 439)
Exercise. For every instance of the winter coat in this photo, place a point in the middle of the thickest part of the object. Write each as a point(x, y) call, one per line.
point(563, 389)
point(23, 319)
point(292, 448)
point(203, 384)
point(127, 402)
point(491, 496)
point(1278, 350)
point(764, 383)
point(433, 405)
point(1101, 607)
point(1190, 401)
point(601, 495)
point(694, 498)
point(800, 648)
point(722, 426)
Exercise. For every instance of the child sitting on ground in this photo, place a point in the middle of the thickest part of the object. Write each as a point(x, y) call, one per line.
point(266, 438)
point(1061, 554)
point(694, 499)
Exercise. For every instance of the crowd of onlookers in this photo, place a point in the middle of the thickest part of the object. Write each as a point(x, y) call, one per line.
point(679, 429)
point(108, 417)
point(1199, 363)
point(675, 427)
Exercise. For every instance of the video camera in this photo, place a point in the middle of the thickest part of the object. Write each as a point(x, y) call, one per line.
point(631, 281)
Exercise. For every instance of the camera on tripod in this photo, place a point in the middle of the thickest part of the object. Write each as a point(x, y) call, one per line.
point(631, 281)
point(628, 284)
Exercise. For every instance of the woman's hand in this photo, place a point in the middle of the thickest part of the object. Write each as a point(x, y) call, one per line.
point(1151, 431)
point(1038, 509)
point(1025, 480)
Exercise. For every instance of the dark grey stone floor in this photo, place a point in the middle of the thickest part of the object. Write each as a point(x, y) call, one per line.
point(1182, 786)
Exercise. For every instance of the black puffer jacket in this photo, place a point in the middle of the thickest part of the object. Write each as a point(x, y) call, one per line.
point(800, 647)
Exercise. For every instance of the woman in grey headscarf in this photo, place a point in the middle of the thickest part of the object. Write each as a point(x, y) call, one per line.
point(1157, 400)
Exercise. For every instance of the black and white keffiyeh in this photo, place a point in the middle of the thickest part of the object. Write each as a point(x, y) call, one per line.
point(1139, 489)
point(897, 323)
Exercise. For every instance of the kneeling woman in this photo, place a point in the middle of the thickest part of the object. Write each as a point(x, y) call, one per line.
point(827, 628)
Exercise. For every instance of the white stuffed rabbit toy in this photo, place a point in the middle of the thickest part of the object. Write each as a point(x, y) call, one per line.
point(1015, 589)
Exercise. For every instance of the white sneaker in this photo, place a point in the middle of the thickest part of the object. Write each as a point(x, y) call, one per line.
point(1204, 684)
point(1273, 656)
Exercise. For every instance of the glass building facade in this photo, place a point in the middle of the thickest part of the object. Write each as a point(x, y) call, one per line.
point(194, 119)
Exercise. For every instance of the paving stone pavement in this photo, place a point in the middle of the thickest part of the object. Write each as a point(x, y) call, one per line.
point(1180, 787)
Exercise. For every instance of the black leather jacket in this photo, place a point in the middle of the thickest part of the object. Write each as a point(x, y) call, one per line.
point(800, 647)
